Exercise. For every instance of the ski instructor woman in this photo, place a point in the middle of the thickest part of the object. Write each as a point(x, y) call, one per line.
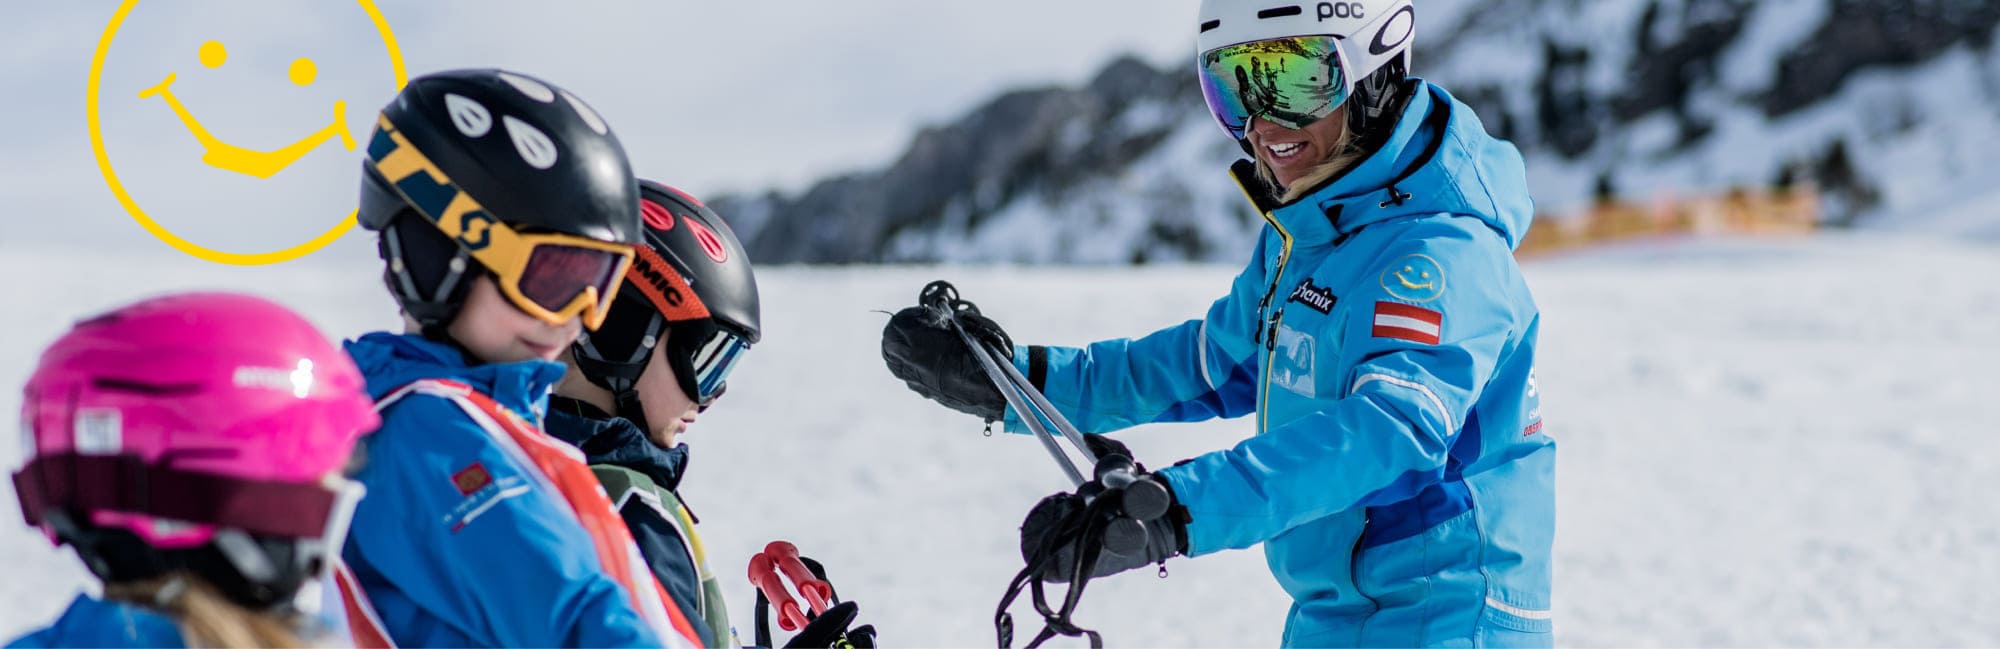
point(1400, 480)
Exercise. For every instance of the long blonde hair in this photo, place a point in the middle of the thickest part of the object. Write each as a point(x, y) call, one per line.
point(205, 617)
point(1345, 154)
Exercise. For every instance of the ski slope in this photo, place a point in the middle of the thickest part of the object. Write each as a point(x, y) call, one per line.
point(1761, 443)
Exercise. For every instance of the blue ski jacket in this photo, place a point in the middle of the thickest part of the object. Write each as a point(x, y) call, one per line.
point(454, 544)
point(1400, 479)
point(91, 622)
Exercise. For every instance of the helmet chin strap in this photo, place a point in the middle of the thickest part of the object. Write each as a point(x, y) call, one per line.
point(633, 410)
point(621, 378)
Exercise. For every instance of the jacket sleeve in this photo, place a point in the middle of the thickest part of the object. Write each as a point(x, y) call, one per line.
point(1196, 370)
point(1389, 433)
point(476, 542)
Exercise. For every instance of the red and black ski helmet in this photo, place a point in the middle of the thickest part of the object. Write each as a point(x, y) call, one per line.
point(691, 280)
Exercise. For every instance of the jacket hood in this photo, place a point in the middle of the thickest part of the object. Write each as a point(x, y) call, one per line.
point(1438, 159)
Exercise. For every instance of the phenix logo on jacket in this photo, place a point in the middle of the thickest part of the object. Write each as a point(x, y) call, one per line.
point(1384, 338)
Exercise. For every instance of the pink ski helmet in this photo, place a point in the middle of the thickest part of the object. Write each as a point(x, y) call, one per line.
point(162, 426)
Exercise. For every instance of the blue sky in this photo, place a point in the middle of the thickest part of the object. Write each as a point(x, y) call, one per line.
point(712, 96)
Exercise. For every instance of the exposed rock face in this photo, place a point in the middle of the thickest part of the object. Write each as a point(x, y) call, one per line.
point(1602, 97)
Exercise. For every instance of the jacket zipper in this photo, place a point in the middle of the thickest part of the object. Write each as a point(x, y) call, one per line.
point(1267, 323)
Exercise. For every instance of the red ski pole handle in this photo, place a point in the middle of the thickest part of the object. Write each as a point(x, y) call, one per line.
point(764, 574)
point(817, 592)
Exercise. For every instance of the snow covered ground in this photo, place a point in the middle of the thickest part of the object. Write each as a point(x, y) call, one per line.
point(1762, 442)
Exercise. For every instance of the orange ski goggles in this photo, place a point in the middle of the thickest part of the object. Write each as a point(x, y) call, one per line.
point(549, 275)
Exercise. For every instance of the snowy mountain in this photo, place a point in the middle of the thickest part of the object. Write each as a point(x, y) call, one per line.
point(1888, 106)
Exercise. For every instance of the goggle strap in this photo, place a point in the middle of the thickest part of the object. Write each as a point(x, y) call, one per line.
point(655, 278)
point(114, 483)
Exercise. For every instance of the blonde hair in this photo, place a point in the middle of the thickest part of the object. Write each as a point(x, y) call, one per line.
point(205, 617)
point(1346, 152)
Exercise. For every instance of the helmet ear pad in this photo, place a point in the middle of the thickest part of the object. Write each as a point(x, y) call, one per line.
point(615, 355)
point(427, 272)
point(1377, 103)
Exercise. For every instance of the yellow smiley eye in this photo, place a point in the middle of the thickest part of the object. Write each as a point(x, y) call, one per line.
point(303, 71)
point(212, 54)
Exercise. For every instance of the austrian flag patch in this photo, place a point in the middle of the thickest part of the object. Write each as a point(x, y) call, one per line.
point(1405, 322)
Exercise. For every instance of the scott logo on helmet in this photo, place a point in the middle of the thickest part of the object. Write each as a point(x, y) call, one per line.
point(473, 230)
point(1339, 10)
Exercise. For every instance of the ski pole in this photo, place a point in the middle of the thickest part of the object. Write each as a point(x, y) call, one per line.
point(1049, 410)
point(1140, 500)
point(1009, 391)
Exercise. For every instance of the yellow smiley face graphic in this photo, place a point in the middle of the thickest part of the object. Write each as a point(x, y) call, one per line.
point(1414, 278)
point(217, 152)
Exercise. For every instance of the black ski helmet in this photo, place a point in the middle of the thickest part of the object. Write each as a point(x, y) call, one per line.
point(690, 279)
point(531, 154)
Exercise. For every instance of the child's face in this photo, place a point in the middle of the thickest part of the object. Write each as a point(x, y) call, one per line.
point(669, 410)
point(496, 332)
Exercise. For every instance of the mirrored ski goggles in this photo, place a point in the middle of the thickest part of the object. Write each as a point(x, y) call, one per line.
point(703, 356)
point(1291, 82)
point(556, 277)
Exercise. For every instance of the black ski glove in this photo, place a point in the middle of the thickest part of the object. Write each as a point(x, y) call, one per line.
point(921, 348)
point(830, 629)
point(1063, 526)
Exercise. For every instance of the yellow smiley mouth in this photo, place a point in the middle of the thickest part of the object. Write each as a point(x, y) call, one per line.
point(1413, 286)
point(262, 164)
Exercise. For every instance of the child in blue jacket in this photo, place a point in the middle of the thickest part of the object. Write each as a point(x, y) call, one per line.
point(507, 213)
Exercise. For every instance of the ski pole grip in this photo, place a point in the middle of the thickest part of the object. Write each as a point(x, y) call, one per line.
point(1124, 536)
point(816, 591)
point(1145, 499)
point(765, 576)
point(1141, 499)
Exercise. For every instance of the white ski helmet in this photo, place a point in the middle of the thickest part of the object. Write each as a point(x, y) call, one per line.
point(1295, 62)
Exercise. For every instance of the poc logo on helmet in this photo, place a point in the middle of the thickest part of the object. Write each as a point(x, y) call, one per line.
point(1339, 10)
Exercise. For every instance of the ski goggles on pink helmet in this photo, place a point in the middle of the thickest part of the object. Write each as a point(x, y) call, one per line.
point(1291, 81)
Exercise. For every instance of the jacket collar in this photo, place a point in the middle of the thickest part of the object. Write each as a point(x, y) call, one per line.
point(1437, 159)
point(391, 361)
point(608, 439)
